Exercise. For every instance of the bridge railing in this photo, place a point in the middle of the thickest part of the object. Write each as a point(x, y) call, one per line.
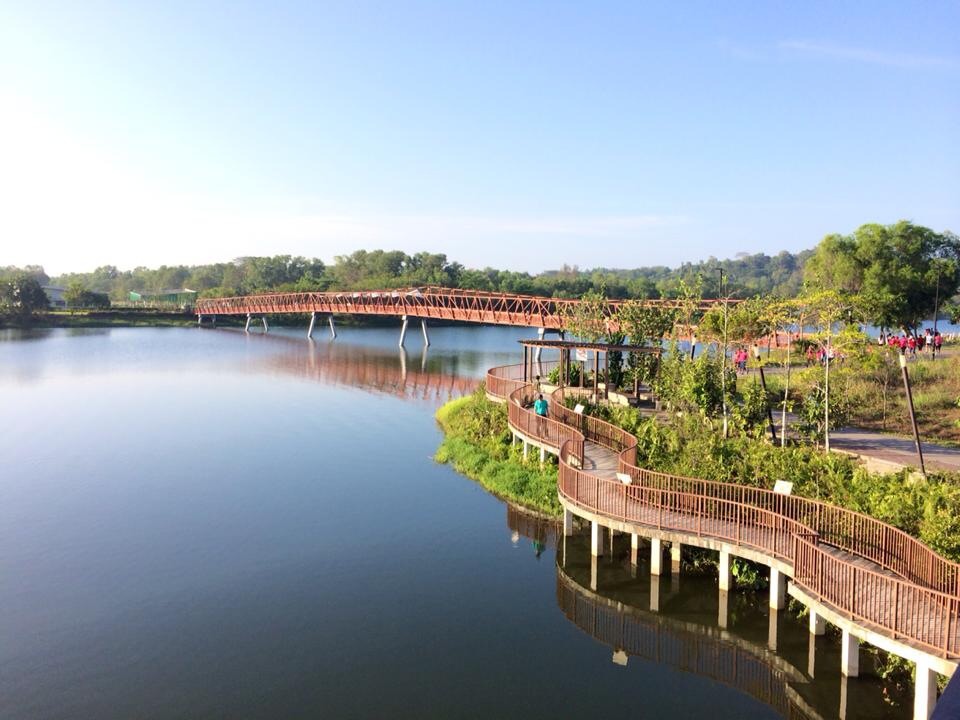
point(848, 530)
point(908, 611)
point(738, 523)
point(594, 429)
point(503, 380)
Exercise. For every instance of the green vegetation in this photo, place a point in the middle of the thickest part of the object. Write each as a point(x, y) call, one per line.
point(477, 444)
point(21, 295)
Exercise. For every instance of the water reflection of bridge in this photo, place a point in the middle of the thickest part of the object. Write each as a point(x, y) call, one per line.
point(390, 373)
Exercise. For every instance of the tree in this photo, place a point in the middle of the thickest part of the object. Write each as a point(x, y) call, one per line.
point(895, 268)
point(77, 295)
point(645, 326)
point(834, 314)
point(21, 296)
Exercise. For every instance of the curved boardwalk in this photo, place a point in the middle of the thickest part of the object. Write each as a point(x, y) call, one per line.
point(872, 580)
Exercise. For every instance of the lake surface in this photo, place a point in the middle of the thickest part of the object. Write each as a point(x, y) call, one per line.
point(203, 523)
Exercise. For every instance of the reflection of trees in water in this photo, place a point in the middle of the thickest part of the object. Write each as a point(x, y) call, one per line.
point(540, 530)
point(685, 646)
point(371, 369)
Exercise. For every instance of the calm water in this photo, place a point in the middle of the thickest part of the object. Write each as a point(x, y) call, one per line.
point(199, 523)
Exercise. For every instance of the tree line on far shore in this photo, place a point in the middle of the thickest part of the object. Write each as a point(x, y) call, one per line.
point(900, 271)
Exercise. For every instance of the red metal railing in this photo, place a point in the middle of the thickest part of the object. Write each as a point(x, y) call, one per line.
point(909, 591)
point(428, 302)
point(544, 430)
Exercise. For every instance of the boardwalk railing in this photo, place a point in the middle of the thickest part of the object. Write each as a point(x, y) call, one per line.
point(881, 576)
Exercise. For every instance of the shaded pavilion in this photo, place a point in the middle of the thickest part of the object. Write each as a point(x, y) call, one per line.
point(532, 349)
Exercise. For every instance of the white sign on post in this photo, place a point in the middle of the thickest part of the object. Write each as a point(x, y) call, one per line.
point(579, 409)
point(581, 355)
point(783, 487)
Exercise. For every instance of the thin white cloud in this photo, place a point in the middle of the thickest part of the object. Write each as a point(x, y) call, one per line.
point(865, 55)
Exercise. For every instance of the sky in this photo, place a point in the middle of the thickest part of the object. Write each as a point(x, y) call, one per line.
point(520, 135)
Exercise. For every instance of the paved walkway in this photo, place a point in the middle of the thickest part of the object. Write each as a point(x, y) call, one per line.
point(886, 447)
point(891, 448)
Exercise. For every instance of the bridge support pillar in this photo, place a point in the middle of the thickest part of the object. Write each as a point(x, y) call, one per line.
point(199, 319)
point(924, 692)
point(540, 334)
point(333, 328)
point(778, 590)
point(725, 580)
point(818, 626)
point(849, 655)
point(596, 538)
point(567, 523)
point(246, 328)
point(426, 338)
point(634, 548)
point(403, 330)
point(266, 328)
point(656, 556)
point(313, 321)
point(723, 610)
point(675, 558)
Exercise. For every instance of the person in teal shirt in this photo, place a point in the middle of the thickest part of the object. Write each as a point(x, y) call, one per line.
point(540, 407)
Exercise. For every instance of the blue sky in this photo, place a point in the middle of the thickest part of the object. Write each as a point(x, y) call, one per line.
point(514, 134)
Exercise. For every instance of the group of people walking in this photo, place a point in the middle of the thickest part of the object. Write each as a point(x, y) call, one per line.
point(914, 344)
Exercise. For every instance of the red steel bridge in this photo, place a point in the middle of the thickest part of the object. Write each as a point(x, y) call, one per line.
point(433, 303)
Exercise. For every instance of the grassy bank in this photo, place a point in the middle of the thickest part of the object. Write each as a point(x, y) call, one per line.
point(477, 444)
point(100, 319)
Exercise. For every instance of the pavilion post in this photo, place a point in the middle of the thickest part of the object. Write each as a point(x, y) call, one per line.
point(606, 374)
point(525, 363)
point(596, 376)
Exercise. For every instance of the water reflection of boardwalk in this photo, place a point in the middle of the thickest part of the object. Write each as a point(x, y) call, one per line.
point(685, 646)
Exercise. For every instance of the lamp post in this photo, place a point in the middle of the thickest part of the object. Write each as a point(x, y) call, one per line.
point(723, 360)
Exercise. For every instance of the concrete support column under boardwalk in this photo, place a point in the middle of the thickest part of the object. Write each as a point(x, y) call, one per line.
point(654, 593)
point(924, 692)
point(849, 655)
point(567, 523)
point(723, 609)
point(596, 538)
point(818, 626)
point(675, 558)
point(656, 556)
point(726, 579)
point(778, 590)
point(526, 449)
point(543, 455)
point(634, 548)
